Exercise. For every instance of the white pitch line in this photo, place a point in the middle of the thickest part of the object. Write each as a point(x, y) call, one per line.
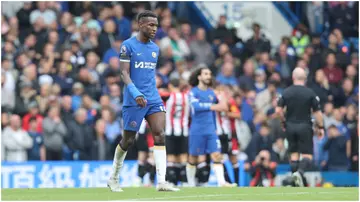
point(221, 195)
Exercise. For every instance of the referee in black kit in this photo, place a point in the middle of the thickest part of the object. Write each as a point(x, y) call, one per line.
point(300, 102)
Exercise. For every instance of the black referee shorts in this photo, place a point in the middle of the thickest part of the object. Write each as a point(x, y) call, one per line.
point(300, 137)
point(176, 145)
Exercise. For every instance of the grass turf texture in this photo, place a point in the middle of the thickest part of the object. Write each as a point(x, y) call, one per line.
point(186, 194)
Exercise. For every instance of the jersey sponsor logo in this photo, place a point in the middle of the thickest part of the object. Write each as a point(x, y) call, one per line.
point(153, 54)
point(145, 65)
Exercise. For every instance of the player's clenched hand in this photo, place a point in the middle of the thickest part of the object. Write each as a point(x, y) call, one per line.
point(141, 101)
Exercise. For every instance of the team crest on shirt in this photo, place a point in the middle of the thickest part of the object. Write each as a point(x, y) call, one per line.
point(211, 97)
point(154, 54)
point(123, 49)
point(133, 124)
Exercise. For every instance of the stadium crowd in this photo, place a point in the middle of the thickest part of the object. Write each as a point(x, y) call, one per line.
point(61, 91)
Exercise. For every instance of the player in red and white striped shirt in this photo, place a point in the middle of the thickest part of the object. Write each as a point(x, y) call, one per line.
point(176, 131)
point(225, 126)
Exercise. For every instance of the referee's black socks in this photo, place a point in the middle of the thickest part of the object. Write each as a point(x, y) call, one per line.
point(304, 165)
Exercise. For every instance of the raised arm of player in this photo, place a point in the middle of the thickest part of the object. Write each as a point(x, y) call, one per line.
point(202, 106)
point(125, 56)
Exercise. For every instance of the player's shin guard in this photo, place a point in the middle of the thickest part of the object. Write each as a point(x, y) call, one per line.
point(219, 172)
point(236, 173)
point(202, 172)
point(118, 161)
point(160, 163)
point(294, 165)
point(182, 173)
point(171, 173)
point(190, 174)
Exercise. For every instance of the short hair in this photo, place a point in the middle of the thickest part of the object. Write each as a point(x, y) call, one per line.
point(175, 82)
point(146, 14)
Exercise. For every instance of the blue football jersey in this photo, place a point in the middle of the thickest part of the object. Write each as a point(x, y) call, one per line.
point(203, 120)
point(143, 58)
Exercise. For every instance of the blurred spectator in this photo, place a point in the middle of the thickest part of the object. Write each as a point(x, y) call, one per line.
point(320, 154)
point(321, 87)
point(342, 17)
point(33, 112)
point(92, 107)
point(262, 170)
point(115, 99)
point(342, 59)
point(343, 93)
point(92, 61)
point(281, 151)
point(165, 25)
point(343, 45)
point(91, 86)
point(352, 73)
point(123, 24)
point(285, 62)
point(328, 114)
point(107, 36)
point(263, 101)
point(186, 33)
point(174, 47)
point(78, 90)
point(43, 98)
point(201, 49)
point(258, 42)
point(259, 142)
point(350, 117)
point(221, 34)
point(54, 133)
point(7, 96)
point(42, 11)
point(66, 110)
point(5, 120)
point(336, 145)
point(300, 39)
point(101, 147)
point(63, 79)
point(114, 51)
point(80, 136)
point(38, 151)
point(226, 76)
point(113, 129)
point(163, 73)
point(332, 72)
point(23, 15)
point(27, 95)
point(246, 81)
point(260, 80)
point(10, 74)
point(15, 141)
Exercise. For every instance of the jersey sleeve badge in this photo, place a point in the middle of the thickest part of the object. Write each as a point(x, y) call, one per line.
point(154, 54)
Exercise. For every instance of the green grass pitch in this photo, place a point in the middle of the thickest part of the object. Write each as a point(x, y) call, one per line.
point(186, 194)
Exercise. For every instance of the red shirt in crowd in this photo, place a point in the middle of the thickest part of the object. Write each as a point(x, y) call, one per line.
point(26, 122)
point(333, 74)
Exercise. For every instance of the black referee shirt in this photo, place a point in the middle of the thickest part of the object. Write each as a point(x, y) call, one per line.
point(299, 100)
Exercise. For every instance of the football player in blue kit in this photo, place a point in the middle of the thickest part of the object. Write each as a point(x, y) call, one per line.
point(138, 59)
point(202, 137)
